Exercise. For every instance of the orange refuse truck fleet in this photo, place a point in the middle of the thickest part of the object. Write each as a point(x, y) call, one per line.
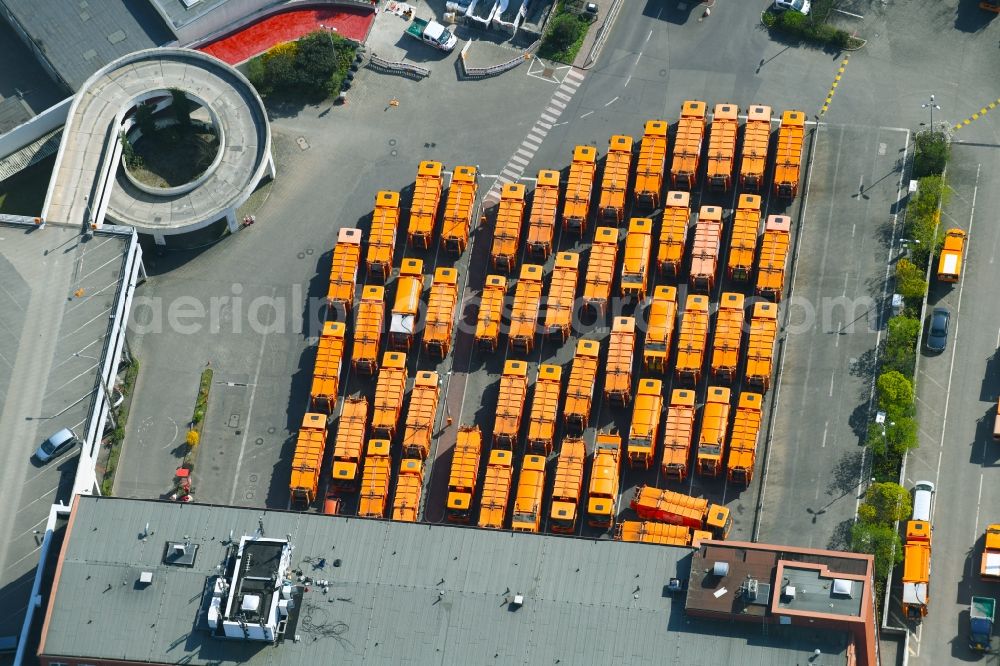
point(349, 444)
point(406, 308)
point(307, 459)
point(678, 434)
point(458, 210)
point(419, 428)
point(665, 506)
point(344, 271)
point(651, 165)
point(441, 312)
point(579, 189)
point(635, 266)
point(646, 415)
point(510, 404)
point(562, 296)
point(464, 474)
point(673, 234)
point(527, 516)
point(524, 313)
point(602, 495)
point(542, 218)
point(426, 199)
point(615, 180)
point(490, 313)
point(374, 496)
point(760, 347)
point(756, 145)
point(601, 269)
point(368, 330)
point(507, 233)
point(706, 249)
point(687, 146)
point(743, 443)
point(496, 489)
point(728, 334)
point(714, 431)
point(567, 491)
point(662, 534)
point(389, 391)
point(692, 340)
point(722, 147)
point(382, 237)
point(788, 158)
point(743, 246)
point(329, 363)
point(618, 371)
point(773, 257)
point(544, 409)
point(662, 317)
point(580, 391)
point(409, 488)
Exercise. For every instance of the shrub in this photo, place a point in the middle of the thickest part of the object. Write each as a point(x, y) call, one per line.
point(895, 395)
point(181, 106)
point(931, 153)
point(882, 541)
point(901, 344)
point(885, 503)
point(193, 438)
point(910, 279)
point(145, 120)
point(315, 66)
point(564, 36)
point(810, 28)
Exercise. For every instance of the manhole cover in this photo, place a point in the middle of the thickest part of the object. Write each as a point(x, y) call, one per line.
point(249, 495)
point(270, 431)
point(259, 441)
point(309, 251)
point(393, 152)
point(303, 144)
point(234, 420)
point(301, 255)
point(253, 478)
point(392, 142)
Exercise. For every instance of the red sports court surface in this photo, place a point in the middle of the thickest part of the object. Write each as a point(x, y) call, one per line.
point(286, 26)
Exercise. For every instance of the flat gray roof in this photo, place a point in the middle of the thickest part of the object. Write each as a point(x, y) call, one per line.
point(80, 37)
point(180, 13)
point(814, 593)
point(400, 593)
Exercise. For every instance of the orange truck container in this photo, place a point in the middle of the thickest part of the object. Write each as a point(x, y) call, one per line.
point(344, 270)
point(368, 330)
point(374, 496)
point(618, 371)
point(677, 435)
point(562, 296)
point(602, 495)
point(989, 563)
point(329, 363)
point(350, 444)
point(756, 146)
point(635, 267)
point(491, 313)
point(661, 534)
point(714, 428)
point(601, 269)
point(510, 404)
point(773, 257)
point(524, 313)
point(743, 246)
point(579, 189)
point(567, 490)
point(406, 308)
point(441, 312)
point(544, 409)
point(420, 417)
point(673, 234)
point(458, 210)
point(542, 218)
point(659, 329)
point(382, 237)
point(464, 474)
point(646, 416)
point(760, 348)
point(651, 165)
point(743, 443)
point(527, 515)
point(580, 391)
point(722, 147)
point(306, 462)
point(728, 335)
point(788, 159)
point(507, 233)
point(950, 257)
point(389, 392)
point(496, 489)
point(687, 146)
point(615, 181)
point(707, 246)
point(426, 199)
point(666, 506)
point(692, 340)
point(409, 488)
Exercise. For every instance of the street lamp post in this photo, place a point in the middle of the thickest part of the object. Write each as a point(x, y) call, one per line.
point(931, 105)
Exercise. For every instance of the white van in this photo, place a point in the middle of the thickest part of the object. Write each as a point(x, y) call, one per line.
point(923, 494)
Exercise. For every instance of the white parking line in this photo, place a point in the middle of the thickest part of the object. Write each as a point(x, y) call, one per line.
point(557, 103)
point(529, 144)
point(562, 96)
point(550, 119)
point(536, 139)
point(519, 159)
point(545, 125)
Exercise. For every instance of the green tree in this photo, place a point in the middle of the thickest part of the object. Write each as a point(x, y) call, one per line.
point(145, 119)
point(316, 63)
point(181, 106)
point(885, 503)
point(902, 435)
point(563, 33)
point(910, 280)
point(895, 394)
point(882, 541)
point(901, 344)
point(931, 154)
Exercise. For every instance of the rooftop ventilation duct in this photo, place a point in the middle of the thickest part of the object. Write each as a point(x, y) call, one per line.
point(720, 569)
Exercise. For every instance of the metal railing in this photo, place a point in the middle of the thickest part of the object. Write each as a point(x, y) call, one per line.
point(484, 72)
point(402, 68)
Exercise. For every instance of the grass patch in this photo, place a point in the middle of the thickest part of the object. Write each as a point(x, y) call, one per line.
point(811, 28)
point(117, 436)
point(24, 193)
point(564, 36)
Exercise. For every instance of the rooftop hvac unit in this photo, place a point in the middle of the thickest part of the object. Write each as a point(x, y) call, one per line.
point(283, 608)
point(250, 603)
point(790, 591)
point(752, 589)
point(842, 587)
point(720, 569)
point(146, 577)
point(518, 600)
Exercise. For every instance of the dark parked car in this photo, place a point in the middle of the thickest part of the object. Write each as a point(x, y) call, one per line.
point(937, 332)
point(56, 445)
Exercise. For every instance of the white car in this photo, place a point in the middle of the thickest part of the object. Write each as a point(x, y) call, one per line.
point(56, 445)
point(800, 6)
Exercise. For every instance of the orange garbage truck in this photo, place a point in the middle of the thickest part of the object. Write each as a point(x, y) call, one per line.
point(409, 489)
point(646, 415)
point(601, 269)
point(673, 234)
point(743, 246)
point(490, 313)
point(542, 218)
point(714, 431)
point(651, 165)
point(743, 443)
point(507, 233)
point(441, 312)
point(687, 146)
point(373, 500)
point(989, 563)
point(544, 409)
point(306, 462)
point(614, 184)
point(756, 146)
point(706, 250)
point(662, 534)
point(510, 404)
point(562, 296)
point(567, 491)
point(368, 330)
point(419, 429)
point(329, 363)
point(773, 257)
point(678, 434)
point(760, 347)
point(950, 259)
point(618, 371)
point(659, 329)
point(344, 271)
point(462, 481)
point(527, 515)
point(579, 189)
point(722, 147)
point(666, 506)
point(692, 340)
point(389, 392)
point(406, 308)
point(524, 314)
point(382, 237)
point(458, 210)
point(728, 335)
point(580, 391)
point(496, 489)
point(426, 199)
point(788, 158)
point(635, 267)
point(349, 445)
point(605, 470)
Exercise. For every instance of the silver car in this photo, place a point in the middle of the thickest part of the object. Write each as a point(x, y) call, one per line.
point(800, 6)
point(56, 445)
